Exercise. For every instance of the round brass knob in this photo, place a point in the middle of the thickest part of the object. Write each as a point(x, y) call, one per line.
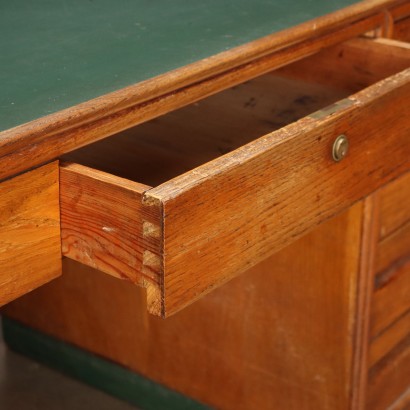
point(340, 148)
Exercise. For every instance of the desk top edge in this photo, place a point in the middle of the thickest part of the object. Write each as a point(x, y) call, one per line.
point(46, 129)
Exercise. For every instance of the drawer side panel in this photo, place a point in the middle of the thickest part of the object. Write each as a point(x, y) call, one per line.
point(105, 225)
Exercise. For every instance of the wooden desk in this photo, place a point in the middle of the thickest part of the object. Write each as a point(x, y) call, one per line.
point(222, 158)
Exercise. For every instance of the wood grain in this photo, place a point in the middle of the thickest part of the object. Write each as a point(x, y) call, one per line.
point(30, 251)
point(279, 337)
point(400, 11)
point(92, 201)
point(267, 193)
point(393, 249)
point(181, 140)
point(388, 357)
point(178, 142)
point(105, 225)
point(402, 402)
point(402, 30)
point(386, 341)
point(352, 65)
point(389, 379)
point(390, 300)
point(365, 285)
point(395, 205)
point(54, 135)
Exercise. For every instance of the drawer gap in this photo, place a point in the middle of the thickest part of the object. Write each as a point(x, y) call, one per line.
point(161, 149)
point(180, 141)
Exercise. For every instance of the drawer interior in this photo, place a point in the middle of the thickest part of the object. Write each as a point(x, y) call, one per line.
point(163, 148)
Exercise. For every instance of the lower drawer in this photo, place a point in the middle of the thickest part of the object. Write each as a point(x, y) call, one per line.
point(30, 251)
point(391, 300)
point(394, 206)
point(389, 379)
point(389, 347)
point(391, 297)
point(183, 203)
point(389, 350)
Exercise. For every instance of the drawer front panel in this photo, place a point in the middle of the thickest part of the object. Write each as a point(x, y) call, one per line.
point(391, 299)
point(198, 230)
point(30, 250)
point(229, 214)
point(389, 379)
point(389, 344)
point(385, 342)
point(394, 206)
point(195, 231)
point(393, 250)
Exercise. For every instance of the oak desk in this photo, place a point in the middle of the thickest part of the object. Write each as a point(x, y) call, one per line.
point(230, 150)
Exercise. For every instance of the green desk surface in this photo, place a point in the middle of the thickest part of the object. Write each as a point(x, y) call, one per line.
point(56, 54)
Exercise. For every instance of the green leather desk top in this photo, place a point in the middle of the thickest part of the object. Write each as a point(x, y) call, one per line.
point(56, 54)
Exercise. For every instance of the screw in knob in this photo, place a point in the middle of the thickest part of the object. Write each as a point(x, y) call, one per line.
point(340, 148)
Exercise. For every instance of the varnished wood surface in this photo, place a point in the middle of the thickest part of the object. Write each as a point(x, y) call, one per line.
point(280, 337)
point(160, 150)
point(199, 225)
point(54, 135)
point(393, 250)
point(105, 225)
point(297, 386)
point(391, 270)
point(395, 206)
point(30, 250)
point(389, 352)
point(386, 341)
point(402, 30)
point(164, 148)
point(177, 142)
point(352, 65)
point(389, 379)
point(365, 286)
point(258, 190)
point(391, 300)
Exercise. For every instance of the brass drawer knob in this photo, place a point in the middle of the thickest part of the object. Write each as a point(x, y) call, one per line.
point(340, 148)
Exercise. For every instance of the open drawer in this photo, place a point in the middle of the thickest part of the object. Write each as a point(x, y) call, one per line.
point(186, 201)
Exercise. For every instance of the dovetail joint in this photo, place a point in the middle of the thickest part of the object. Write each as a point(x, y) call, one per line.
point(150, 230)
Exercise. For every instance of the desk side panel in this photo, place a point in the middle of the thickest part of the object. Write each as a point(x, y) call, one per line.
point(30, 250)
point(281, 336)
